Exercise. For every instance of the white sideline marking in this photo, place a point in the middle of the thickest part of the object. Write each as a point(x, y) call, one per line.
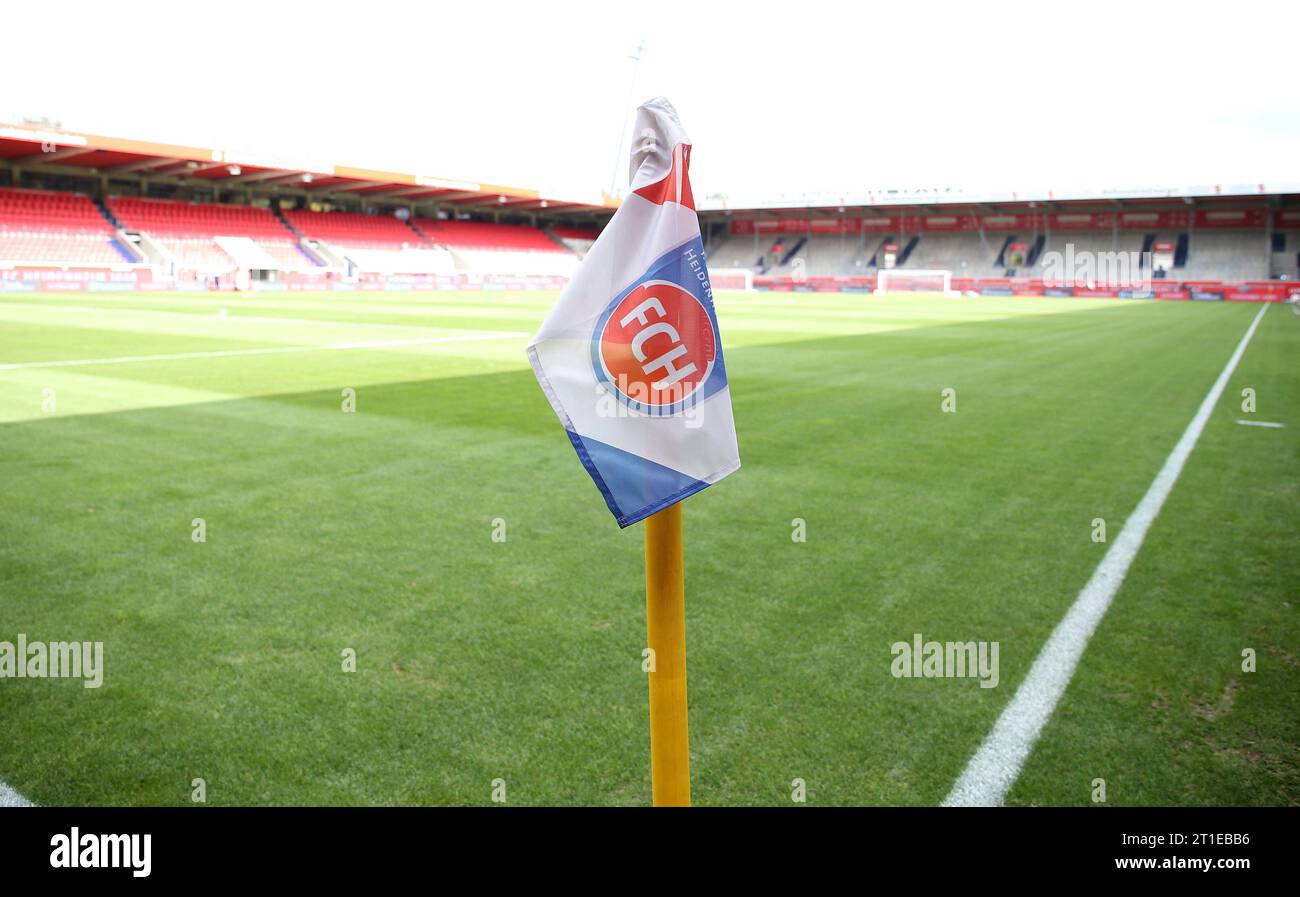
point(228, 353)
point(11, 798)
point(996, 765)
point(1259, 423)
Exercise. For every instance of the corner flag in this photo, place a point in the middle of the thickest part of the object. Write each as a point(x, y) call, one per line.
point(630, 357)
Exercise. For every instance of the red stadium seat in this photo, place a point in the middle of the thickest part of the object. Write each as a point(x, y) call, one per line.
point(486, 235)
point(38, 226)
point(187, 231)
point(355, 230)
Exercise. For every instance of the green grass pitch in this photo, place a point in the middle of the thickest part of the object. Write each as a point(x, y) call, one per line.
point(521, 660)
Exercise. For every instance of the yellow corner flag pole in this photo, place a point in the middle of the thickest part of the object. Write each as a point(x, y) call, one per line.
point(665, 594)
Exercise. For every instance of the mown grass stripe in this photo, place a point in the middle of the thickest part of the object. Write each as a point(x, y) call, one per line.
point(996, 765)
point(276, 350)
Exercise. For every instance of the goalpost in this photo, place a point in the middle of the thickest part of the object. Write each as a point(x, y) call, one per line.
point(914, 281)
point(731, 279)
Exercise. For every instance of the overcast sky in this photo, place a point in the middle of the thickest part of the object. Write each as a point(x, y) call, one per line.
point(780, 99)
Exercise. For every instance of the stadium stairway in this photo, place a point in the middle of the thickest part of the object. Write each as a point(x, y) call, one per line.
point(150, 252)
point(1035, 251)
point(279, 214)
point(127, 255)
point(1001, 261)
point(790, 256)
point(420, 238)
point(314, 256)
point(319, 250)
point(576, 239)
point(554, 238)
point(1148, 240)
point(907, 251)
point(874, 261)
point(188, 234)
point(108, 214)
point(1182, 247)
point(124, 247)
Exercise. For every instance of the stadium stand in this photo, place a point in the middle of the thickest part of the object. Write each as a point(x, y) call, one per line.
point(1232, 249)
point(1227, 255)
point(372, 243)
point(1211, 253)
point(42, 227)
point(974, 255)
point(490, 248)
point(1226, 241)
point(732, 251)
point(189, 232)
point(354, 229)
point(1082, 242)
point(827, 253)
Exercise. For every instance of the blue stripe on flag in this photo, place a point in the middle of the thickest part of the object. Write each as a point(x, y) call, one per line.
point(628, 481)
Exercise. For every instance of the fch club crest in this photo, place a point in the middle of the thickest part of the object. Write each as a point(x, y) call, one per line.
point(656, 346)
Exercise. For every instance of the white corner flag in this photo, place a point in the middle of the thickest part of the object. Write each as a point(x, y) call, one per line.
point(630, 357)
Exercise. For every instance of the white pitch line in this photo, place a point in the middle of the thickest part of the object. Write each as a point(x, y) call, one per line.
point(996, 765)
point(1260, 423)
point(277, 350)
point(241, 315)
point(11, 798)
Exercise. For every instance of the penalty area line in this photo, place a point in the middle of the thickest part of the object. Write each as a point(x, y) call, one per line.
point(275, 350)
point(996, 765)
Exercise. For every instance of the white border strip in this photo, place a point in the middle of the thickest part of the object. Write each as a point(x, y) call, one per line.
point(996, 765)
point(1260, 423)
point(230, 353)
point(11, 798)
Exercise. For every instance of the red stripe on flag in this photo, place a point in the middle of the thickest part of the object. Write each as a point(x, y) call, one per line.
point(675, 186)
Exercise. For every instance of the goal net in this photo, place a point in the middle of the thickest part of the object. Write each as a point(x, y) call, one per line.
point(731, 279)
point(895, 280)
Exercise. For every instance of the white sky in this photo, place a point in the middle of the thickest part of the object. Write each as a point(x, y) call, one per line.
point(780, 99)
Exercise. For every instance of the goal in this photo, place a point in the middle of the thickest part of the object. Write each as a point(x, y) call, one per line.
point(896, 280)
point(731, 279)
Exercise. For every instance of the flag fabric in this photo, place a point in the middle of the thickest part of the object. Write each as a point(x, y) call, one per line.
point(630, 357)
